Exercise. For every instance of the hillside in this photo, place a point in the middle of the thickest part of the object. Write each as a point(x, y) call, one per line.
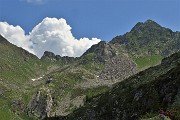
point(35, 88)
point(104, 79)
point(148, 42)
point(16, 66)
point(67, 87)
point(15, 60)
point(140, 96)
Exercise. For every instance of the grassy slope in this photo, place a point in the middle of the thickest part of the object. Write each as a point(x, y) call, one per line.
point(17, 68)
point(149, 83)
point(5, 112)
point(147, 61)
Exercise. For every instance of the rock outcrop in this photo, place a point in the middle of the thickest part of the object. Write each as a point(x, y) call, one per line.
point(115, 63)
point(41, 104)
point(108, 63)
point(57, 58)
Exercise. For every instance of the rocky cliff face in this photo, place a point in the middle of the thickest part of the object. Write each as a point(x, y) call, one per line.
point(114, 61)
point(110, 64)
point(118, 68)
point(57, 58)
point(103, 52)
point(41, 104)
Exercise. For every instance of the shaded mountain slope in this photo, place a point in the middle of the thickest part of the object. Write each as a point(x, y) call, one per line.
point(78, 80)
point(145, 92)
point(55, 85)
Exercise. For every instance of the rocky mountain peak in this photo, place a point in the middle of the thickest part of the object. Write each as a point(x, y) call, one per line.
point(150, 21)
point(48, 55)
point(148, 38)
point(148, 24)
point(116, 64)
point(52, 57)
point(102, 51)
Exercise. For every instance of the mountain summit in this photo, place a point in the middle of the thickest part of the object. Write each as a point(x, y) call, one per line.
point(148, 40)
point(148, 24)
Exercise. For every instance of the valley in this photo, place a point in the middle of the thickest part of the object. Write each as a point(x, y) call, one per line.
point(130, 77)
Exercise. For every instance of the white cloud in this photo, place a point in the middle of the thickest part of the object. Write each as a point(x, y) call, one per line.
point(15, 35)
point(51, 34)
point(55, 35)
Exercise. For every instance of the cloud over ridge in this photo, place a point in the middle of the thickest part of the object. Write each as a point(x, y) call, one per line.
point(51, 34)
point(16, 36)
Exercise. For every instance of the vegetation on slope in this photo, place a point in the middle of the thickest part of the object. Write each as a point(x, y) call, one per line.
point(147, 61)
point(146, 92)
point(69, 82)
point(147, 40)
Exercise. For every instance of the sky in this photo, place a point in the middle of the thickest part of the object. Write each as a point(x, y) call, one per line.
point(84, 22)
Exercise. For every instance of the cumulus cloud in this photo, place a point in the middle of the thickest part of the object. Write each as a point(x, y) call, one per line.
point(16, 35)
point(55, 35)
point(51, 34)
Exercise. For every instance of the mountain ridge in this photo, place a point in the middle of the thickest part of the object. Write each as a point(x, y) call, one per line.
point(132, 99)
point(65, 79)
point(34, 88)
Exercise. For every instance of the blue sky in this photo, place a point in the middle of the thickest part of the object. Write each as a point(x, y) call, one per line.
point(103, 19)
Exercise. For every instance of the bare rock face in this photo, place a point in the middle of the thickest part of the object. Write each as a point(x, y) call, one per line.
point(52, 57)
point(116, 64)
point(102, 52)
point(118, 68)
point(48, 55)
point(40, 105)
